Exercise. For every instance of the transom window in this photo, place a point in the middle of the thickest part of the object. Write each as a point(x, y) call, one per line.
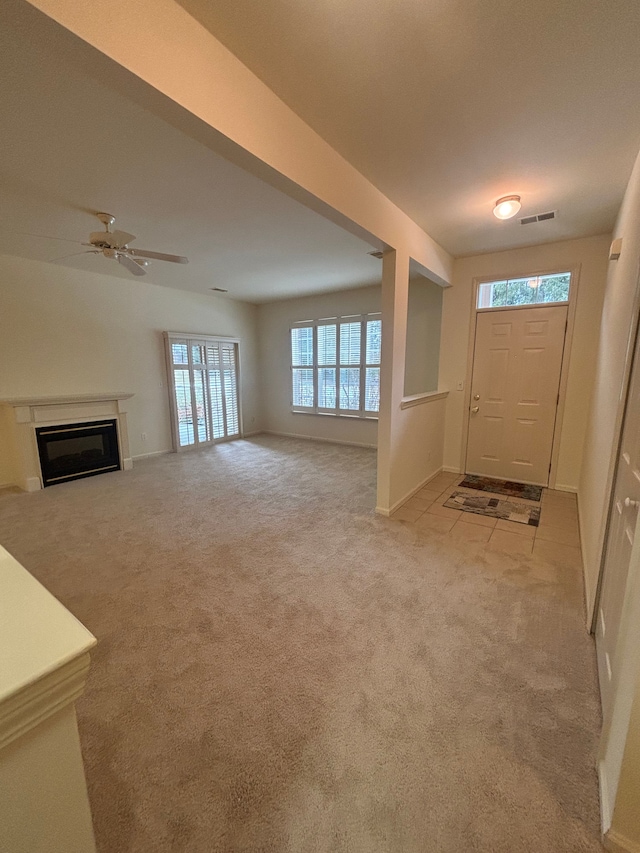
point(203, 374)
point(335, 365)
point(530, 290)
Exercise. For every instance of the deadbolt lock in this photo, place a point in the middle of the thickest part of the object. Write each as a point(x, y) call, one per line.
point(476, 396)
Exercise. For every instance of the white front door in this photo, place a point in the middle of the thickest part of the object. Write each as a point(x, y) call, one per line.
point(622, 525)
point(514, 392)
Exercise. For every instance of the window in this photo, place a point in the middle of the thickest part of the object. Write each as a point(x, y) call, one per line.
point(531, 290)
point(203, 375)
point(335, 366)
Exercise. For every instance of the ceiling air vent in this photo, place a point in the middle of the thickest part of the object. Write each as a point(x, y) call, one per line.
point(539, 217)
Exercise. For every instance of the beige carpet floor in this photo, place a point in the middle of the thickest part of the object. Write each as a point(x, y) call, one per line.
point(281, 671)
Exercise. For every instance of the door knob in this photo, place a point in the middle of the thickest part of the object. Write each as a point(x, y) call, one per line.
point(629, 502)
point(477, 409)
point(476, 396)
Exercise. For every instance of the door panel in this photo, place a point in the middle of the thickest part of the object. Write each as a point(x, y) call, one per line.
point(516, 377)
point(622, 525)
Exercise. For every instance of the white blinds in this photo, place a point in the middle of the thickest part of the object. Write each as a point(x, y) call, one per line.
point(335, 366)
point(204, 377)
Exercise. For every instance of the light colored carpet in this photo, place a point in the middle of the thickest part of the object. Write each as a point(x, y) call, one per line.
point(281, 671)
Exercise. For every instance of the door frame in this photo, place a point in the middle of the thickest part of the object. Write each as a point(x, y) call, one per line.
point(574, 269)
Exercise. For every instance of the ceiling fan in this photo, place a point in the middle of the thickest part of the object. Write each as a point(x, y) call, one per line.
point(115, 245)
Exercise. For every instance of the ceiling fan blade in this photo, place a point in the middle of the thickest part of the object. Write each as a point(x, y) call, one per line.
point(161, 256)
point(75, 255)
point(119, 239)
point(115, 239)
point(48, 237)
point(130, 264)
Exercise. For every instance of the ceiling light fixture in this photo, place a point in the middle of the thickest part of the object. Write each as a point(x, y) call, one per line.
point(507, 206)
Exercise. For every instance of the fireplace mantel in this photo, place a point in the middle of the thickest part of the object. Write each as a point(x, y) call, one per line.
point(23, 414)
point(16, 402)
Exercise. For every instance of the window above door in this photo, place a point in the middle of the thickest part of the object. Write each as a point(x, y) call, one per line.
point(528, 290)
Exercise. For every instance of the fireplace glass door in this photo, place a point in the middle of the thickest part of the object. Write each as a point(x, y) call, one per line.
point(72, 451)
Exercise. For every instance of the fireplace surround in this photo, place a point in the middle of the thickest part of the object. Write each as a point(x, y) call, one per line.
point(30, 423)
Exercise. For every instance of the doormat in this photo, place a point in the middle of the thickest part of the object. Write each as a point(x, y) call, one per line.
point(495, 508)
point(502, 487)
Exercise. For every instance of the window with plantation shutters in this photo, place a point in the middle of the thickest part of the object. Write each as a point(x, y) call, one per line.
point(335, 366)
point(203, 378)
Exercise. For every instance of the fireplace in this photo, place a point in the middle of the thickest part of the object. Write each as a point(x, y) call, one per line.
point(72, 451)
point(24, 417)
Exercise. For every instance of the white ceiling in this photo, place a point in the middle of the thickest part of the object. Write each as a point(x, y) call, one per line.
point(71, 146)
point(445, 105)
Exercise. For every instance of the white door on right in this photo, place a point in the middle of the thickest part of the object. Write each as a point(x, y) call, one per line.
point(620, 538)
point(514, 393)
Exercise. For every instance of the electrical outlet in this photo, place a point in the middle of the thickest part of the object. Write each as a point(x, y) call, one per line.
point(143, 436)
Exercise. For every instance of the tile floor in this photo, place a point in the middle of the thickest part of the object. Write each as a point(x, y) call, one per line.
point(556, 537)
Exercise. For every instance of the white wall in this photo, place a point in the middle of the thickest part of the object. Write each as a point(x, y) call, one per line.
point(63, 331)
point(591, 254)
point(424, 318)
point(274, 322)
point(605, 412)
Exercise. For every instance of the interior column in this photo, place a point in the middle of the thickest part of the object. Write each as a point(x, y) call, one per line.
point(395, 295)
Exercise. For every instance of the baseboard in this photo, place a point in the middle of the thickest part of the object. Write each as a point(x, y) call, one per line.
point(449, 470)
point(560, 487)
point(315, 438)
point(252, 434)
point(387, 512)
point(150, 455)
point(617, 843)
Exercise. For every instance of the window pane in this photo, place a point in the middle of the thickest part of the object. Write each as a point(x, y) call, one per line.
point(198, 379)
point(213, 355)
point(196, 353)
point(302, 346)
point(327, 344)
point(350, 386)
point(554, 288)
point(327, 387)
point(179, 353)
point(374, 341)
point(302, 387)
point(372, 389)
point(215, 390)
point(525, 291)
point(230, 389)
point(350, 343)
point(519, 292)
point(183, 405)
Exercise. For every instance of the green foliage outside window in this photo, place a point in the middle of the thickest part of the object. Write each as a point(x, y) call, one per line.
point(525, 291)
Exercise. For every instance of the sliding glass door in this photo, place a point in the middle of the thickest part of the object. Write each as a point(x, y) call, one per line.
point(203, 375)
